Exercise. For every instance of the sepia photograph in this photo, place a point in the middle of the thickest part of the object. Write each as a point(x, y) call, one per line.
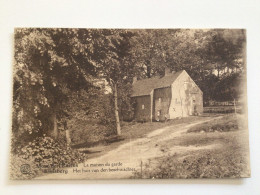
point(129, 104)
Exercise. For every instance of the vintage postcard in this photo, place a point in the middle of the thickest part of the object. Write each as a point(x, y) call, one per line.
point(129, 104)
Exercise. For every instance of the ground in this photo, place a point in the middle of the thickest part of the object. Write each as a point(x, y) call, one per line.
point(157, 153)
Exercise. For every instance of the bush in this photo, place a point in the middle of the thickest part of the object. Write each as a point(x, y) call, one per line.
point(92, 117)
point(227, 123)
point(44, 152)
point(89, 131)
point(217, 164)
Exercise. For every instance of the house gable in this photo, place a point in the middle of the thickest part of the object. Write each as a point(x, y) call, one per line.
point(186, 95)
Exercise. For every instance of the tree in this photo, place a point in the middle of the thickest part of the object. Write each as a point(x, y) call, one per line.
point(201, 53)
point(49, 64)
point(114, 62)
point(154, 50)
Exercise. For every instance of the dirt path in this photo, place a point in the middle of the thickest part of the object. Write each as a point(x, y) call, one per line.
point(130, 155)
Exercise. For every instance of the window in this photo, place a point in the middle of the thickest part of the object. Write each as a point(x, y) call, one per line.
point(142, 106)
point(160, 100)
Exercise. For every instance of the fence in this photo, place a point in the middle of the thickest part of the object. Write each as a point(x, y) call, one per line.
point(222, 109)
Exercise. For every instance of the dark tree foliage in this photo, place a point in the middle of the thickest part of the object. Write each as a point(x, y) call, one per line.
point(49, 65)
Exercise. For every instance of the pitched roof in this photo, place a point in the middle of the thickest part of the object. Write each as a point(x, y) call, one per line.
point(145, 86)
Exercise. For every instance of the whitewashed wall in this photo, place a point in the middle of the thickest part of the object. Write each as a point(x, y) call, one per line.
point(182, 102)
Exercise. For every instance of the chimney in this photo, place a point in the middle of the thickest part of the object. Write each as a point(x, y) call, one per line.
point(167, 71)
point(134, 79)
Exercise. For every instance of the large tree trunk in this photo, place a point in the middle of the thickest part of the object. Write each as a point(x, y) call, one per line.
point(118, 127)
point(55, 126)
point(68, 137)
point(67, 133)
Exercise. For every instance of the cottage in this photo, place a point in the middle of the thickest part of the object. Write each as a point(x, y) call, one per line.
point(175, 95)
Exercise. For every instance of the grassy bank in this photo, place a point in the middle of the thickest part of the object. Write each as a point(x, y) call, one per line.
point(132, 131)
point(211, 154)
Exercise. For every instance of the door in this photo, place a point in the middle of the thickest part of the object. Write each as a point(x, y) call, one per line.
point(158, 109)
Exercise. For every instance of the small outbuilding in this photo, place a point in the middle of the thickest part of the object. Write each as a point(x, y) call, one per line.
point(175, 95)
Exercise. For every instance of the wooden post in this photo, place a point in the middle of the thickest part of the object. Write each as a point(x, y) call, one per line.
point(151, 95)
point(141, 169)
